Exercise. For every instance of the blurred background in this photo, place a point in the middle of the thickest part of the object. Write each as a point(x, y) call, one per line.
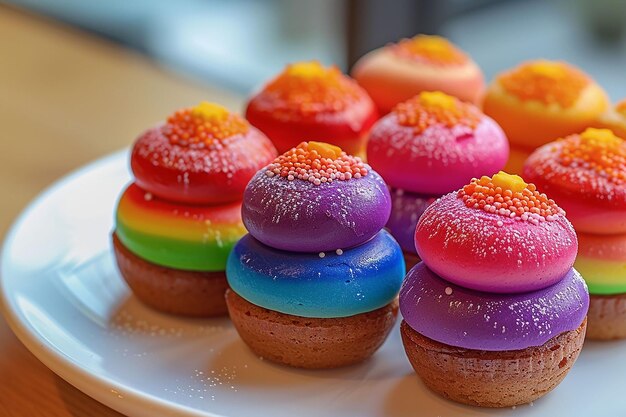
point(240, 43)
point(80, 79)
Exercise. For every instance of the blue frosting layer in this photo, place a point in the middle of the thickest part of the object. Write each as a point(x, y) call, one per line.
point(359, 280)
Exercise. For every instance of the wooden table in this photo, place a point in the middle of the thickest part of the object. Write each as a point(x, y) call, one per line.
point(67, 98)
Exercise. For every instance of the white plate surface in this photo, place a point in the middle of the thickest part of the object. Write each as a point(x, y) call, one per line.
point(64, 298)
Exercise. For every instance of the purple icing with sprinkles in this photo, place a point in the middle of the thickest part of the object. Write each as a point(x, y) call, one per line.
point(406, 209)
point(477, 320)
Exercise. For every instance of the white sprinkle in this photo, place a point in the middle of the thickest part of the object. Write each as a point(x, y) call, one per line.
point(147, 196)
point(339, 252)
point(500, 224)
point(448, 291)
point(322, 254)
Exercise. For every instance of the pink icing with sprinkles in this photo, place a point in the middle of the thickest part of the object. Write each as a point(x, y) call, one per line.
point(509, 196)
point(316, 162)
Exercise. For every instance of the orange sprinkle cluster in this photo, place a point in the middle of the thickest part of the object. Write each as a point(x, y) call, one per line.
point(432, 49)
point(308, 88)
point(509, 196)
point(202, 125)
point(316, 162)
point(431, 108)
point(598, 150)
point(545, 81)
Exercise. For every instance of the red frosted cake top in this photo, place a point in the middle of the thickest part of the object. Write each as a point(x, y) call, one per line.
point(308, 88)
point(202, 125)
point(430, 108)
point(317, 162)
point(509, 196)
point(545, 81)
point(431, 49)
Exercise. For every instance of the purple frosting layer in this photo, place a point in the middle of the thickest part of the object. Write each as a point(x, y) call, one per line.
point(299, 216)
point(406, 209)
point(477, 320)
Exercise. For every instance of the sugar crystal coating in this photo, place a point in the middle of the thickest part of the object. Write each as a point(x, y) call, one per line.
point(316, 162)
point(509, 196)
point(548, 82)
point(436, 108)
point(203, 125)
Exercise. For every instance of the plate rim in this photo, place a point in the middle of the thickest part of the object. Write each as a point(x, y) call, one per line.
point(98, 387)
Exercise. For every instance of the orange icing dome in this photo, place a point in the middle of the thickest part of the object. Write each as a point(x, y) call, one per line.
point(598, 150)
point(545, 81)
point(621, 108)
point(509, 196)
point(202, 125)
point(432, 49)
point(308, 88)
point(317, 162)
point(430, 108)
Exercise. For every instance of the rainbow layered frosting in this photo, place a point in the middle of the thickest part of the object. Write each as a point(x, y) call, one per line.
point(315, 246)
point(187, 237)
point(601, 261)
point(316, 102)
point(400, 71)
point(497, 269)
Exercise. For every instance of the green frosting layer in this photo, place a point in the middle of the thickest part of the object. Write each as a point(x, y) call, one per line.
point(174, 253)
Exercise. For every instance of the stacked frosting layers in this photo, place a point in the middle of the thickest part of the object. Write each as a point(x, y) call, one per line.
point(314, 283)
point(540, 101)
point(495, 314)
point(178, 221)
point(316, 102)
point(430, 145)
point(400, 71)
point(586, 174)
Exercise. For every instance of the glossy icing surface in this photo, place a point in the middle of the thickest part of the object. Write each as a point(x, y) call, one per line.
point(313, 102)
point(202, 155)
point(586, 174)
point(434, 144)
point(318, 203)
point(324, 285)
point(491, 250)
point(469, 319)
point(176, 235)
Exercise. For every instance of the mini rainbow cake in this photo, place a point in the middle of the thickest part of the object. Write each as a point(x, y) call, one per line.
point(177, 223)
point(615, 119)
point(494, 316)
point(540, 101)
point(400, 71)
point(314, 284)
point(313, 101)
point(586, 174)
point(428, 146)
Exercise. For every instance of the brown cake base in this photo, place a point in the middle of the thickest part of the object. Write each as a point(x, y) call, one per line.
point(492, 379)
point(607, 317)
point(313, 343)
point(175, 291)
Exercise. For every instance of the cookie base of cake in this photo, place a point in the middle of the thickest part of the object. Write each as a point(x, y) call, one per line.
point(492, 379)
point(175, 291)
point(607, 317)
point(313, 343)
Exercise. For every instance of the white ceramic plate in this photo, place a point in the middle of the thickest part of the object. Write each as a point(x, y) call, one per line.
point(65, 300)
